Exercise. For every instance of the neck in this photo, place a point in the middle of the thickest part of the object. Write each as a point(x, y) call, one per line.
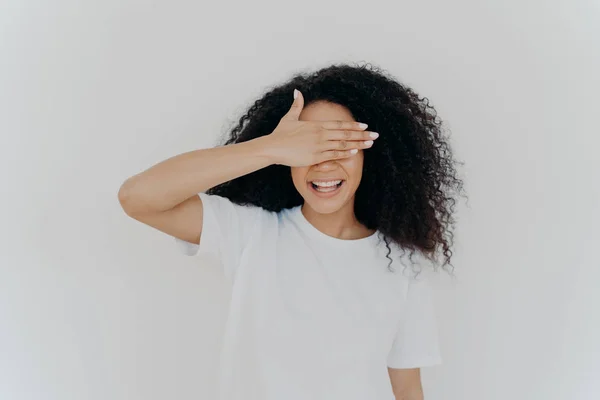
point(341, 224)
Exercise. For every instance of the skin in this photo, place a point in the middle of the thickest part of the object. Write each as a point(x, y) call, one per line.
point(319, 141)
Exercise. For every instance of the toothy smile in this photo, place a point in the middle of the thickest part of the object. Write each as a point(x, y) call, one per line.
point(327, 186)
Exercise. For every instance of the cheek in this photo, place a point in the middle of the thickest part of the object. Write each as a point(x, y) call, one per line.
point(353, 167)
point(299, 177)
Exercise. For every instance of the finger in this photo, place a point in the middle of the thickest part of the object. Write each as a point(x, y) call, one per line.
point(349, 135)
point(344, 125)
point(296, 108)
point(347, 145)
point(337, 154)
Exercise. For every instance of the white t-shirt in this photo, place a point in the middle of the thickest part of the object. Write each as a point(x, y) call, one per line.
point(312, 316)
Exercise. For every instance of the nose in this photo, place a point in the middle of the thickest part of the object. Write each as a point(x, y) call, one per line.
point(328, 165)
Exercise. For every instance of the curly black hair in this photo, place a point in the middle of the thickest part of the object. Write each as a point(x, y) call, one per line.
point(409, 181)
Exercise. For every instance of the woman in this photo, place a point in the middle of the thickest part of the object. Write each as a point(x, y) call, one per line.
point(310, 214)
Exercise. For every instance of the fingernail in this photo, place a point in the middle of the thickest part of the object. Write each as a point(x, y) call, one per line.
point(295, 93)
point(363, 125)
point(368, 143)
point(374, 135)
point(353, 151)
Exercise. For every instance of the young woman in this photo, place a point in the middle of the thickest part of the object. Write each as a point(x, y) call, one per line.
point(312, 215)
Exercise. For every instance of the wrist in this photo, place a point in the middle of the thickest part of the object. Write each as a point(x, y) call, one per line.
point(265, 149)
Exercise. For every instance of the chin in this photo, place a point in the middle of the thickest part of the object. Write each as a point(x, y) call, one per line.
point(327, 201)
point(324, 207)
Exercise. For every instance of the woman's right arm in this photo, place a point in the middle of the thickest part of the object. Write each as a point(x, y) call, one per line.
point(165, 196)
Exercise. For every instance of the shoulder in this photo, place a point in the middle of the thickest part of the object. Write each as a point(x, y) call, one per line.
point(225, 205)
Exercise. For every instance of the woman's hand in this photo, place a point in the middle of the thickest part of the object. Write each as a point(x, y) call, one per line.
point(302, 143)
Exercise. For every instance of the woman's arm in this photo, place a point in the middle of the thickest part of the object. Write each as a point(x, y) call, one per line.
point(165, 195)
point(406, 383)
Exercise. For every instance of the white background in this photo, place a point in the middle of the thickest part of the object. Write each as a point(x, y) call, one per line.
point(94, 305)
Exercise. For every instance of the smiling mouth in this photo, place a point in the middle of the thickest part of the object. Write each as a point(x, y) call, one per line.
point(326, 186)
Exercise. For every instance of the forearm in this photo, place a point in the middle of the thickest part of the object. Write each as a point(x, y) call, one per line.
point(414, 395)
point(174, 180)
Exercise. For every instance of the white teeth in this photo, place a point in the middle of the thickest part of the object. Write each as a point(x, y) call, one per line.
point(328, 183)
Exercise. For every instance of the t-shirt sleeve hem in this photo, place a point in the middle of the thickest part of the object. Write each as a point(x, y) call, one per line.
point(208, 242)
point(416, 363)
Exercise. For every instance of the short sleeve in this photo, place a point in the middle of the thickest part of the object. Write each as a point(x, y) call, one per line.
point(226, 230)
point(416, 342)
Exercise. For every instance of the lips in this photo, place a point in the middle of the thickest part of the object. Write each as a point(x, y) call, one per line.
point(326, 187)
